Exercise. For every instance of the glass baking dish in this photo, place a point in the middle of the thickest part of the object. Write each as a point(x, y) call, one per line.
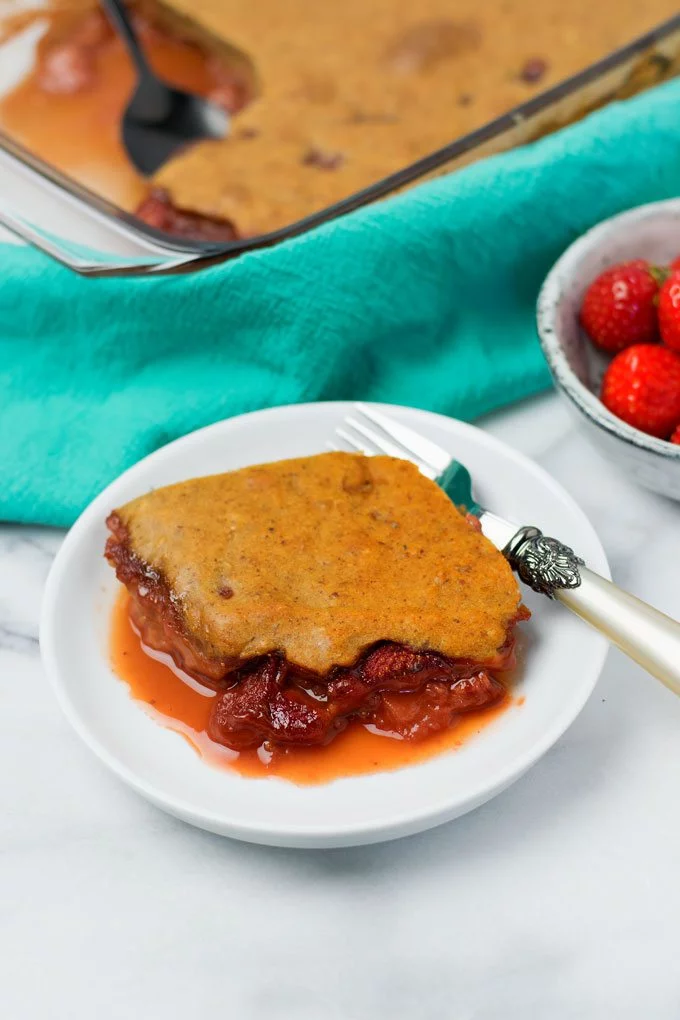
point(95, 237)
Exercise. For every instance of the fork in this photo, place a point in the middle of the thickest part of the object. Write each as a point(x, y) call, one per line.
point(545, 564)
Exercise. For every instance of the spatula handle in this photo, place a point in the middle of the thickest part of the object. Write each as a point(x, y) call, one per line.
point(121, 19)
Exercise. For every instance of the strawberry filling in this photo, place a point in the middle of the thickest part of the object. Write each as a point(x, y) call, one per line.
point(408, 693)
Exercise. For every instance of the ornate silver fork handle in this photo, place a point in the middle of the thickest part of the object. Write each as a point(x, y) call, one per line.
point(550, 567)
point(646, 635)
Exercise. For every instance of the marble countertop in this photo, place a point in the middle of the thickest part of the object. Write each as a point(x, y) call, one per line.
point(560, 899)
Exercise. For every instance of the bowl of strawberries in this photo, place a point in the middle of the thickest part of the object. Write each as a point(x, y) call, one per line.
point(609, 326)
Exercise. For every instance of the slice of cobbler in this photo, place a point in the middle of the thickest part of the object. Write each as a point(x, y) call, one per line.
point(313, 591)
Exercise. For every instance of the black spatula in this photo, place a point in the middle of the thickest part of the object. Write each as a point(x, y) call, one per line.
point(159, 119)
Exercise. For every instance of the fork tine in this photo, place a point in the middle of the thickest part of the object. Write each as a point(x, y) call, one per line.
point(351, 441)
point(378, 444)
point(388, 447)
point(383, 445)
point(412, 443)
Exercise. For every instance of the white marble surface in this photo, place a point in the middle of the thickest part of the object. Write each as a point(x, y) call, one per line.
point(560, 899)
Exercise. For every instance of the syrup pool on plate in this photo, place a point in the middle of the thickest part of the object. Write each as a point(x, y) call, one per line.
point(182, 704)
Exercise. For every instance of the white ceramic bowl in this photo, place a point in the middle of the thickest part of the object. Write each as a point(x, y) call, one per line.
point(563, 657)
point(651, 232)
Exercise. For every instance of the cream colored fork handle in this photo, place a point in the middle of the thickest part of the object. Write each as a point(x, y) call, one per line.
point(649, 637)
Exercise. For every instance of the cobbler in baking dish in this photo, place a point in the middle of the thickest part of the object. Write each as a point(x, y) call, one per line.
point(327, 98)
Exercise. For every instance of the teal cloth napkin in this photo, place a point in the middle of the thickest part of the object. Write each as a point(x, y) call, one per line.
point(426, 299)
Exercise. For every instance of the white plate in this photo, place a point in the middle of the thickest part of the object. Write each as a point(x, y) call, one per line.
point(562, 661)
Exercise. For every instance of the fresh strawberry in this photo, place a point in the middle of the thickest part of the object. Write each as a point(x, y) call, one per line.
point(675, 264)
point(619, 306)
point(642, 386)
point(675, 438)
point(669, 311)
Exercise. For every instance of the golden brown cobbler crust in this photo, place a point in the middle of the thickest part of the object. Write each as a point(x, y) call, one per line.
point(316, 558)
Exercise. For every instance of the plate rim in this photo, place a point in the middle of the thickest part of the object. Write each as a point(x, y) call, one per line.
point(295, 834)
